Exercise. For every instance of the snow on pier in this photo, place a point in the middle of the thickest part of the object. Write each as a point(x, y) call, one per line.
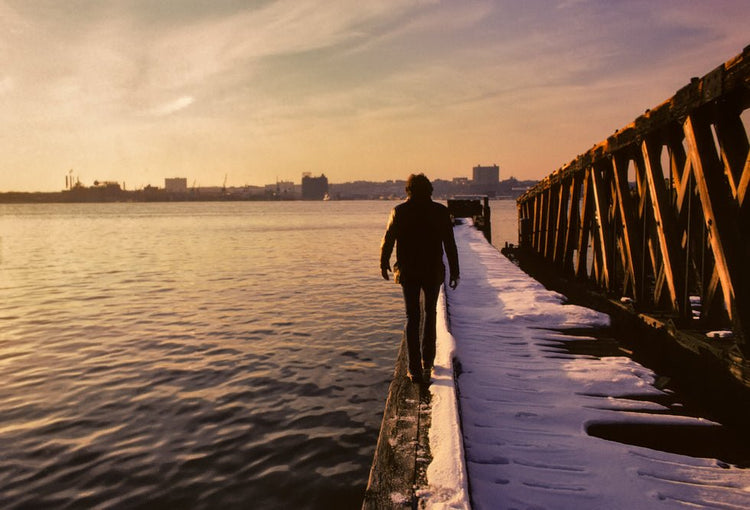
point(525, 405)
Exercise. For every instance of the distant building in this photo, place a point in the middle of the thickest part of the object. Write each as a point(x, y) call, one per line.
point(108, 185)
point(175, 185)
point(314, 188)
point(486, 175)
point(285, 190)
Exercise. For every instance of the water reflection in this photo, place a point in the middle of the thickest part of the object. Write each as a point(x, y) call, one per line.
point(192, 355)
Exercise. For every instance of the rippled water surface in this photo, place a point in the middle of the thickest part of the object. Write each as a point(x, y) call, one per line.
point(194, 355)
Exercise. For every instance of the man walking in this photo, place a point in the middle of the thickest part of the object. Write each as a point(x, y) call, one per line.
point(420, 229)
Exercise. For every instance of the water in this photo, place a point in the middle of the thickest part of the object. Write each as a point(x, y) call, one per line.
point(504, 222)
point(192, 355)
point(198, 355)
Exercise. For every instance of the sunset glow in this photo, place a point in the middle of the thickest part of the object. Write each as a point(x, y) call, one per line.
point(138, 91)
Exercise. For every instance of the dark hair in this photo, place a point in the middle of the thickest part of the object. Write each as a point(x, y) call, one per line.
point(418, 186)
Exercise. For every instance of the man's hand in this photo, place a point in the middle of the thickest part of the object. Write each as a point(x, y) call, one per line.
point(453, 283)
point(384, 272)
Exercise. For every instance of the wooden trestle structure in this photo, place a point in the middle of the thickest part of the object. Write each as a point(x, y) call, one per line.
point(658, 213)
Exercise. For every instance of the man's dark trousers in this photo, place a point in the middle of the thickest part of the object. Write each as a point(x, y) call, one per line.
point(426, 355)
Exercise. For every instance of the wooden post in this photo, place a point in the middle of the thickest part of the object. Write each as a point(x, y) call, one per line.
point(720, 220)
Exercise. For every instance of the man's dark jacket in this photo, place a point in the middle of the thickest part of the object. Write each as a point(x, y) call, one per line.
point(420, 228)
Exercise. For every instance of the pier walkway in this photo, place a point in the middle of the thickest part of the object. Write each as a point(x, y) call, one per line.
point(530, 405)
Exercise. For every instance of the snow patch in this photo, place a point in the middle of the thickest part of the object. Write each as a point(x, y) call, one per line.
point(446, 474)
point(722, 334)
point(399, 499)
point(525, 408)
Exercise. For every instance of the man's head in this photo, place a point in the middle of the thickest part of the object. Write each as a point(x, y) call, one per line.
point(418, 186)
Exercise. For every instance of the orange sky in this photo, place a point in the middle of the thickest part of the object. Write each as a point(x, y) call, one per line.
point(135, 91)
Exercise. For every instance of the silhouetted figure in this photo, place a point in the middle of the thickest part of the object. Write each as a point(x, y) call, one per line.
point(420, 229)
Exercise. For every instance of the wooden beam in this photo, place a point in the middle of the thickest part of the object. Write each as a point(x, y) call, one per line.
point(733, 144)
point(530, 224)
point(603, 233)
point(541, 207)
point(561, 227)
point(597, 264)
point(710, 304)
point(683, 189)
point(574, 223)
point(631, 235)
point(544, 210)
point(724, 239)
point(677, 156)
point(654, 257)
point(537, 221)
point(744, 181)
point(665, 227)
point(552, 211)
point(586, 217)
point(619, 261)
point(661, 278)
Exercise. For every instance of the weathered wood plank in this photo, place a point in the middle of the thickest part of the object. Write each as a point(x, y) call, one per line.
point(554, 198)
point(704, 165)
point(603, 231)
point(392, 475)
point(561, 231)
point(630, 234)
point(538, 222)
point(627, 279)
point(744, 181)
point(585, 227)
point(574, 217)
point(544, 198)
point(733, 145)
point(721, 222)
point(665, 228)
point(677, 157)
point(712, 306)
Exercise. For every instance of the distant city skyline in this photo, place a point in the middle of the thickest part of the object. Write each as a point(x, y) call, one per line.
point(178, 183)
point(135, 92)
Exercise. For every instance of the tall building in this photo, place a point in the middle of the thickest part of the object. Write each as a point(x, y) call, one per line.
point(175, 185)
point(486, 174)
point(314, 188)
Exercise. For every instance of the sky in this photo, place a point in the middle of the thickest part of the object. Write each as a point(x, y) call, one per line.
point(253, 92)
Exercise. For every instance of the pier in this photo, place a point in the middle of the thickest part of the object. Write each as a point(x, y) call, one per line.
point(524, 412)
point(528, 407)
point(655, 217)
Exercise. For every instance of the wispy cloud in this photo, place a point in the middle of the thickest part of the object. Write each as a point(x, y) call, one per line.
point(171, 107)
